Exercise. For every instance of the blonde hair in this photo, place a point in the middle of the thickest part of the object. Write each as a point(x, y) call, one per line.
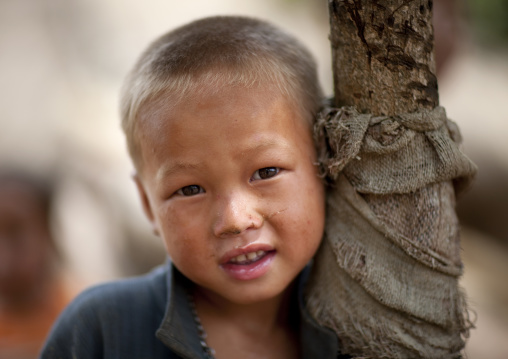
point(218, 51)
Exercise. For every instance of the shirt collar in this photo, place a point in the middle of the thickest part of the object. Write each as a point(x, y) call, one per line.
point(178, 330)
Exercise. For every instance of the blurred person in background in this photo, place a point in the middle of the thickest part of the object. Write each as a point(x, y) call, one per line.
point(32, 292)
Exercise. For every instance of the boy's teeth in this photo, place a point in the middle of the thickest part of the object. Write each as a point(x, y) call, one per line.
point(249, 257)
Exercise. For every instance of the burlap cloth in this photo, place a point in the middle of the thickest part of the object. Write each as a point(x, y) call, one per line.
point(386, 275)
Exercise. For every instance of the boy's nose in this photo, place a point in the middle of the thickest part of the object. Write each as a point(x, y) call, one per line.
point(236, 213)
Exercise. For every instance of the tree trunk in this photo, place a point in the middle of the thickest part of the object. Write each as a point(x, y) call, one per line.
point(383, 59)
point(386, 277)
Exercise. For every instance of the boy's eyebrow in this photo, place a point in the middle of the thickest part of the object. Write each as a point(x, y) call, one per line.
point(169, 169)
point(264, 143)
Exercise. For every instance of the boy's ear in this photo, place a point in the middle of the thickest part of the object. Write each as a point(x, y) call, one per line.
point(145, 202)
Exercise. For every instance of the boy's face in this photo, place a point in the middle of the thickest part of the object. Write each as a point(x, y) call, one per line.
point(228, 181)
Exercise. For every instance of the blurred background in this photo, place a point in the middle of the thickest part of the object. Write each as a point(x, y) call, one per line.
point(62, 63)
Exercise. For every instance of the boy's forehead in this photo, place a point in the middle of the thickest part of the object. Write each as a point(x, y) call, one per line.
point(228, 98)
point(202, 111)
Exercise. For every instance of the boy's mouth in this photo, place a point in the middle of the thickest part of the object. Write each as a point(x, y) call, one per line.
point(249, 264)
point(249, 253)
point(248, 257)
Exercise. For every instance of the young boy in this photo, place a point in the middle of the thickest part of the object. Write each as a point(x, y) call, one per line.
point(218, 117)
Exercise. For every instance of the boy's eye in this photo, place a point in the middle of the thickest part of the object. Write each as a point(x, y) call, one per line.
point(191, 190)
point(265, 173)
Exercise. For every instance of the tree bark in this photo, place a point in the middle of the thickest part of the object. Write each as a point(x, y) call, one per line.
point(383, 59)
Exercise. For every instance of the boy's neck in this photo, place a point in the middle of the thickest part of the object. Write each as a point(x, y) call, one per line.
point(269, 313)
point(248, 326)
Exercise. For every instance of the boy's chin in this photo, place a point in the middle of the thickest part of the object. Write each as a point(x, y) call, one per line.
point(254, 299)
point(250, 296)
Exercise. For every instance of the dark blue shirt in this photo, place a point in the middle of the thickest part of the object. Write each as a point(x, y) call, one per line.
point(150, 317)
